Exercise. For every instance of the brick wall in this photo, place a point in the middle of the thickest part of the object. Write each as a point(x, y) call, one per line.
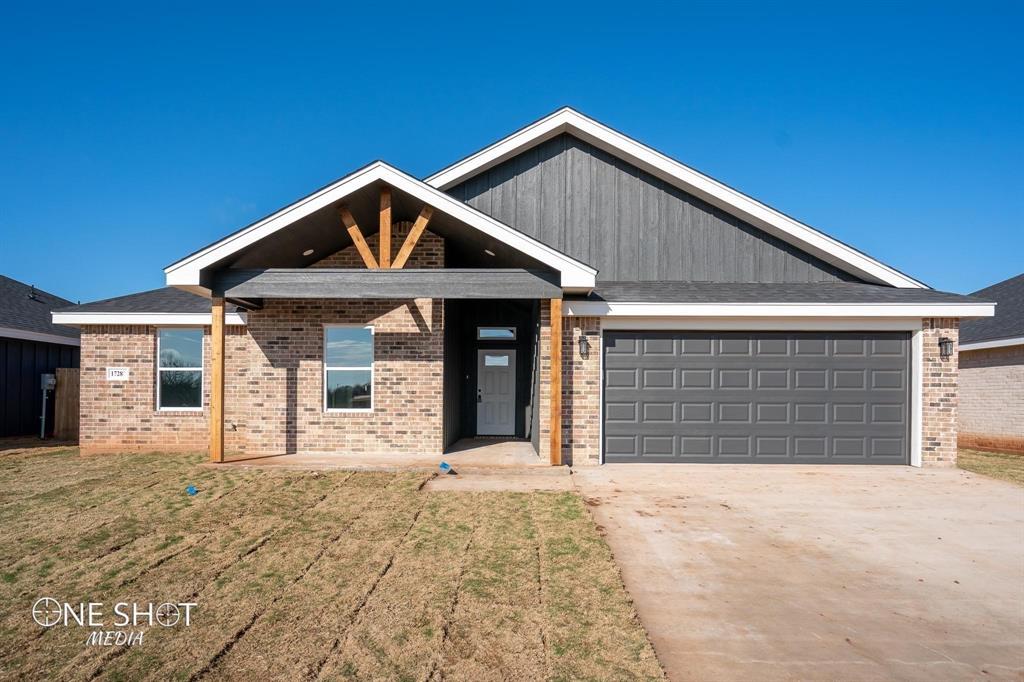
point(121, 416)
point(581, 392)
point(991, 411)
point(428, 253)
point(939, 393)
point(273, 384)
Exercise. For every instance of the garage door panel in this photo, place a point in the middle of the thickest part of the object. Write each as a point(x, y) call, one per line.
point(761, 396)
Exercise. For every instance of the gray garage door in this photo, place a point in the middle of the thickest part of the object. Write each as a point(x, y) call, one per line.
point(809, 397)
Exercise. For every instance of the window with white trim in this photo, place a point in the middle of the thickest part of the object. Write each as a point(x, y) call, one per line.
point(179, 369)
point(348, 368)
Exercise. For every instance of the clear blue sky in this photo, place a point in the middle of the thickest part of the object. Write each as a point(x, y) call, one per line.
point(130, 136)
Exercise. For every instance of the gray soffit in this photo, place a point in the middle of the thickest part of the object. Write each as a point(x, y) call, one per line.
point(746, 292)
point(1008, 322)
point(27, 309)
point(165, 300)
point(386, 284)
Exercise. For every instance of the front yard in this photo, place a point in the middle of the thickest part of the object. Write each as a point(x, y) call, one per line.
point(306, 575)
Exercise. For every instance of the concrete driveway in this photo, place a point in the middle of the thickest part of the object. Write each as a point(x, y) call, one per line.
point(825, 573)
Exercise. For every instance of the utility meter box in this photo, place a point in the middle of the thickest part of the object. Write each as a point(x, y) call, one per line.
point(47, 382)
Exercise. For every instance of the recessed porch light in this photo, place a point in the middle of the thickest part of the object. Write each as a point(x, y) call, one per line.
point(488, 252)
point(308, 252)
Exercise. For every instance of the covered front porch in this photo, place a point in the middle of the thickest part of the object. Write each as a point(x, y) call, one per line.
point(462, 336)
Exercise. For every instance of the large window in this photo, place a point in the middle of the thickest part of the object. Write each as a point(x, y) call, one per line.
point(179, 372)
point(348, 369)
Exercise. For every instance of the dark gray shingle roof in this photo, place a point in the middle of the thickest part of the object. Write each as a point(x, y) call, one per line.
point(1008, 322)
point(27, 309)
point(165, 300)
point(744, 292)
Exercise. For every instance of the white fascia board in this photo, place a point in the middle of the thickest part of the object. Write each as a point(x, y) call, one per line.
point(998, 343)
point(807, 324)
point(157, 319)
point(679, 175)
point(574, 274)
point(718, 310)
point(42, 337)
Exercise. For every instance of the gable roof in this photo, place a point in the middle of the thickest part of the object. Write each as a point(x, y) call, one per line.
point(25, 314)
point(187, 271)
point(567, 120)
point(1007, 327)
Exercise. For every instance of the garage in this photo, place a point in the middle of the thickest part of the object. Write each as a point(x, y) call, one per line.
point(757, 397)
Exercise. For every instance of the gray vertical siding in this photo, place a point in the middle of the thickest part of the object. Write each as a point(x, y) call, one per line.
point(628, 224)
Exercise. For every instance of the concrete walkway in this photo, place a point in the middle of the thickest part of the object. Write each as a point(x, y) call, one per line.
point(819, 573)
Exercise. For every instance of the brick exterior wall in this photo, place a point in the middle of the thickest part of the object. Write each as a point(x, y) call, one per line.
point(939, 393)
point(121, 416)
point(428, 253)
point(991, 414)
point(581, 392)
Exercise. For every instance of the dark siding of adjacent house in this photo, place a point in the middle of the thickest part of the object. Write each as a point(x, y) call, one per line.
point(21, 401)
point(628, 224)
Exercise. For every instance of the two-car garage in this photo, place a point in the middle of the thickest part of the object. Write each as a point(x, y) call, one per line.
point(759, 397)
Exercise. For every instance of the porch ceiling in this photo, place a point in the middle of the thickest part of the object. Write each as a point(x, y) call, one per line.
point(502, 283)
point(323, 232)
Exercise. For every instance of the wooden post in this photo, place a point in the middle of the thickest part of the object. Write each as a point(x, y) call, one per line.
point(217, 379)
point(414, 235)
point(385, 227)
point(556, 382)
point(357, 238)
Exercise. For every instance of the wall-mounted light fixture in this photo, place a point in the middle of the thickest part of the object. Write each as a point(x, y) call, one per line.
point(584, 347)
point(945, 347)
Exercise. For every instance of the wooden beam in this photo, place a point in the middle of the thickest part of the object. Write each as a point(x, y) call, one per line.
point(414, 236)
point(217, 379)
point(385, 227)
point(556, 382)
point(357, 238)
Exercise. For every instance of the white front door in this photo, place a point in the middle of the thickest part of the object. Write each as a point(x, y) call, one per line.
point(496, 393)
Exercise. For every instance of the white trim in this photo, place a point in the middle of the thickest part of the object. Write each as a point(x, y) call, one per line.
point(728, 199)
point(158, 319)
point(186, 272)
point(336, 368)
point(201, 369)
point(638, 309)
point(42, 337)
point(762, 324)
point(916, 397)
point(981, 345)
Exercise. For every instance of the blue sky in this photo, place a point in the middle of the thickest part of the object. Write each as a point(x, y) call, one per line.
point(132, 135)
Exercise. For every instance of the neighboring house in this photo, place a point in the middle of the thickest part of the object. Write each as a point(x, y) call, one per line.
point(384, 313)
point(992, 372)
point(30, 345)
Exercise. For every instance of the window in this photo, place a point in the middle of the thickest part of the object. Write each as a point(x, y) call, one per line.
point(179, 370)
point(348, 369)
point(495, 333)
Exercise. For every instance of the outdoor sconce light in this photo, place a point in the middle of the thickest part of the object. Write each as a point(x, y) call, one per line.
point(945, 347)
point(584, 347)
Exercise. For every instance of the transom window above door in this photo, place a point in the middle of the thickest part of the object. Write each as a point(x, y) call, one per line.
point(348, 369)
point(495, 333)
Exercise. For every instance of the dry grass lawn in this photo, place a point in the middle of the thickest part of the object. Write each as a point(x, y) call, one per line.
point(303, 575)
point(1002, 465)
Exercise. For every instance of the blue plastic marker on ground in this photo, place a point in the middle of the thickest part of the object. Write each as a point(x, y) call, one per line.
point(446, 468)
point(191, 490)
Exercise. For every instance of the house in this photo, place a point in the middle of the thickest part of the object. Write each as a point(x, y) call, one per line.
point(384, 313)
point(30, 345)
point(991, 412)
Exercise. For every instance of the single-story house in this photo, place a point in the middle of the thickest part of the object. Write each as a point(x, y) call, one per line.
point(31, 345)
point(992, 372)
point(567, 286)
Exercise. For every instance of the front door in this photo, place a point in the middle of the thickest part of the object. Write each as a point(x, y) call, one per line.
point(496, 393)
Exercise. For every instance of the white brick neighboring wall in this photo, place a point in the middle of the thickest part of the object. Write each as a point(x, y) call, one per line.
point(992, 398)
